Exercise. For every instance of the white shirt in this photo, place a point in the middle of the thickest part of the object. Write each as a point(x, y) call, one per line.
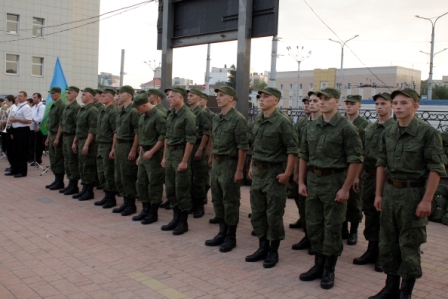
point(23, 111)
point(38, 114)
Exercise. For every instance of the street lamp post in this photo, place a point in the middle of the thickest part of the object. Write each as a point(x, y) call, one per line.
point(431, 56)
point(341, 74)
point(299, 60)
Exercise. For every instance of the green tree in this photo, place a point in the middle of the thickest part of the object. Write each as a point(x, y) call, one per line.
point(440, 92)
point(260, 85)
point(231, 81)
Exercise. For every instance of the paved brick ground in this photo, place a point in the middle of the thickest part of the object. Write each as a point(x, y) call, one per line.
point(53, 246)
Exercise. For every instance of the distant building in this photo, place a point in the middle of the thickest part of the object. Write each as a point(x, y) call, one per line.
point(107, 79)
point(156, 83)
point(443, 82)
point(33, 36)
point(182, 82)
point(219, 75)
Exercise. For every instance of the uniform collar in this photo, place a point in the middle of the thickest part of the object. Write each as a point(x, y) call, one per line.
point(228, 115)
point(198, 107)
point(333, 121)
point(272, 118)
point(88, 105)
point(181, 111)
point(386, 123)
point(411, 129)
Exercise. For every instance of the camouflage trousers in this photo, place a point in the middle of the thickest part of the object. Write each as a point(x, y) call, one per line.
point(199, 176)
point(354, 207)
point(267, 200)
point(125, 171)
point(401, 231)
point(372, 223)
point(226, 194)
point(177, 184)
point(105, 167)
point(70, 158)
point(293, 192)
point(150, 178)
point(56, 155)
point(324, 216)
point(87, 164)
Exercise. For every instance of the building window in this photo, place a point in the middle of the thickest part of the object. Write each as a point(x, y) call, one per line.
point(38, 27)
point(281, 87)
point(300, 86)
point(12, 64)
point(12, 24)
point(38, 66)
point(323, 84)
point(311, 86)
point(290, 86)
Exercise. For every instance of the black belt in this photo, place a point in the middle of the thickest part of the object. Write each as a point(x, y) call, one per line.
point(68, 134)
point(327, 171)
point(220, 158)
point(198, 141)
point(124, 141)
point(265, 165)
point(104, 142)
point(146, 147)
point(370, 171)
point(177, 147)
point(406, 184)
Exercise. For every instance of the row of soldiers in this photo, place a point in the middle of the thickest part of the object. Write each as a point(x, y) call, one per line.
point(147, 151)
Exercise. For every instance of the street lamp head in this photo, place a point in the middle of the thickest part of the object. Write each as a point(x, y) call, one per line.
point(357, 35)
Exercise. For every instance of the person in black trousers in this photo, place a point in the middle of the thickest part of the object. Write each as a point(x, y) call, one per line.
point(6, 134)
point(36, 144)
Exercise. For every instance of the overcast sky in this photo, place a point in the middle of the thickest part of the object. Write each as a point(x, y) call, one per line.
point(389, 34)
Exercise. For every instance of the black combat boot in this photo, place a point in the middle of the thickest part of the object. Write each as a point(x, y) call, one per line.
point(173, 223)
point(214, 220)
point(73, 188)
point(199, 211)
point(303, 244)
point(88, 194)
point(122, 207)
point(370, 256)
point(391, 290)
point(327, 281)
point(145, 212)
point(52, 183)
point(296, 224)
point(344, 230)
point(182, 226)
point(153, 215)
point(407, 285)
point(102, 201)
point(220, 237)
point(230, 240)
point(81, 193)
point(272, 259)
point(353, 235)
point(378, 267)
point(70, 183)
point(261, 253)
point(166, 205)
point(131, 208)
point(111, 201)
point(59, 182)
point(316, 271)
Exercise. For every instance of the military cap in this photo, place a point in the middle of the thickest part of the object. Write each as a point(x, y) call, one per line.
point(204, 96)
point(353, 98)
point(271, 91)
point(310, 93)
point(410, 93)
point(128, 89)
point(228, 91)
point(55, 89)
point(383, 95)
point(141, 99)
point(98, 91)
point(111, 91)
point(195, 91)
point(305, 99)
point(155, 92)
point(73, 88)
point(329, 92)
point(89, 90)
point(177, 89)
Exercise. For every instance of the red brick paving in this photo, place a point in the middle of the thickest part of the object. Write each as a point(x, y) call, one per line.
point(53, 246)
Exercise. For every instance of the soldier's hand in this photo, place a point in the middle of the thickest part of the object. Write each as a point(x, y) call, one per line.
point(342, 195)
point(56, 142)
point(132, 155)
point(112, 154)
point(147, 155)
point(75, 148)
point(295, 178)
point(198, 155)
point(47, 142)
point(210, 162)
point(182, 166)
point(163, 163)
point(85, 150)
point(356, 185)
point(283, 178)
point(303, 190)
point(423, 209)
point(249, 173)
point(378, 203)
point(137, 161)
point(11, 136)
point(238, 177)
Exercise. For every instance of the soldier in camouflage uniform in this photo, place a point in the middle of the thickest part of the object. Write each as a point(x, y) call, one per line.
point(179, 142)
point(354, 204)
point(230, 144)
point(125, 151)
point(273, 158)
point(68, 125)
point(155, 97)
point(54, 141)
point(409, 167)
point(330, 159)
point(371, 138)
point(198, 160)
point(107, 121)
point(150, 176)
point(85, 145)
point(313, 107)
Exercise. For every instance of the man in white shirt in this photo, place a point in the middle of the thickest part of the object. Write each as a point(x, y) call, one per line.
point(20, 120)
point(36, 146)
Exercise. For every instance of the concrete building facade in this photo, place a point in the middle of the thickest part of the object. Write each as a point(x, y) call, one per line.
point(35, 33)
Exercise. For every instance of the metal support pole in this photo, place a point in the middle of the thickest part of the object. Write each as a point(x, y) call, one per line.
point(273, 62)
point(122, 67)
point(207, 72)
point(298, 85)
point(167, 49)
point(243, 59)
point(341, 74)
